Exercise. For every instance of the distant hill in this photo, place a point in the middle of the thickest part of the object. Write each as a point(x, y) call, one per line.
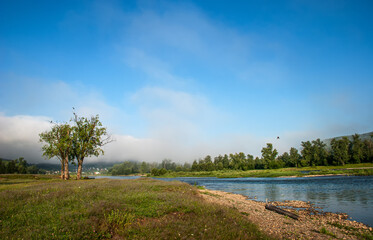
point(363, 136)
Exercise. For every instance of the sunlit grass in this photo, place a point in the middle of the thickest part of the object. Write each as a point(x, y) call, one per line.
point(105, 208)
point(282, 172)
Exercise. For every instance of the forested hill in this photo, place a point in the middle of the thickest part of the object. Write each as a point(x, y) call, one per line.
point(363, 136)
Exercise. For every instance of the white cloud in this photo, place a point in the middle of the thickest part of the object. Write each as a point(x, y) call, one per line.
point(19, 137)
point(176, 115)
point(154, 68)
point(162, 42)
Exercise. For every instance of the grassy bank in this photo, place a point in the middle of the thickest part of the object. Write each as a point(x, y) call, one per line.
point(42, 207)
point(364, 169)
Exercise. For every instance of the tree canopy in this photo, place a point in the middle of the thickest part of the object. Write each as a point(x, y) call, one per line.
point(68, 143)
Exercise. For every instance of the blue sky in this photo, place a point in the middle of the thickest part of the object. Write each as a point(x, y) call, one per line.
point(182, 79)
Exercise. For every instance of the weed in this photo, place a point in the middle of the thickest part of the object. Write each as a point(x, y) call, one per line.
point(119, 218)
point(340, 226)
point(210, 194)
point(326, 232)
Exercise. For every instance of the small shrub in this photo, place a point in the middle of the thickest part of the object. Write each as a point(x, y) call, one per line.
point(119, 218)
point(326, 232)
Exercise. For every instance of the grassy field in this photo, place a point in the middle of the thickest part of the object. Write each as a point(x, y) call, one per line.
point(283, 172)
point(42, 207)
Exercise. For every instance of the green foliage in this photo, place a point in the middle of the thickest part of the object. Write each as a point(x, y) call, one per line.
point(158, 172)
point(88, 138)
point(119, 218)
point(314, 154)
point(294, 157)
point(269, 156)
point(320, 154)
point(79, 141)
point(19, 166)
point(58, 143)
point(340, 151)
point(133, 167)
point(324, 231)
point(356, 149)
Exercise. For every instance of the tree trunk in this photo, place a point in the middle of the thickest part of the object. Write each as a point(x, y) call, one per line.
point(80, 166)
point(281, 211)
point(62, 170)
point(67, 175)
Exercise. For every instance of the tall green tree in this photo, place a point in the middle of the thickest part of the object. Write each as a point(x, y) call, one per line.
point(88, 138)
point(58, 143)
point(320, 154)
point(2, 167)
point(340, 154)
point(250, 161)
point(218, 162)
point(307, 152)
point(356, 149)
point(268, 154)
point(21, 165)
point(368, 150)
point(225, 161)
point(285, 159)
point(195, 166)
point(294, 157)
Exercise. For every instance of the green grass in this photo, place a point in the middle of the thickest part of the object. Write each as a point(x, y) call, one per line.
point(368, 235)
point(282, 172)
point(42, 207)
point(326, 232)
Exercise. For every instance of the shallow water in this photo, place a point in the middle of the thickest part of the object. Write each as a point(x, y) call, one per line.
point(348, 194)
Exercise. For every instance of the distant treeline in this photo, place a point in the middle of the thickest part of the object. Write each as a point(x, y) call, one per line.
point(19, 166)
point(156, 169)
point(313, 153)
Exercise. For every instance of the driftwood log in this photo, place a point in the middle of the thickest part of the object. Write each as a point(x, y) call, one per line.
point(281, 211)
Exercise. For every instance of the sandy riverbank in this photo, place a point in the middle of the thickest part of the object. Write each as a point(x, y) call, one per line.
point(309, 226)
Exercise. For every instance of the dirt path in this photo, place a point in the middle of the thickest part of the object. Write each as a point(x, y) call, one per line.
point(311, 224)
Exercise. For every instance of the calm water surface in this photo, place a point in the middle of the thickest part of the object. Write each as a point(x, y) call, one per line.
point(352, 195)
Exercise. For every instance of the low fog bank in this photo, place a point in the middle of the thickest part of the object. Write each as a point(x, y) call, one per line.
point(19, 137)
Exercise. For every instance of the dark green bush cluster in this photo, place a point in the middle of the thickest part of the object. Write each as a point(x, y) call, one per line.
point(19, 166)
point(158, 172)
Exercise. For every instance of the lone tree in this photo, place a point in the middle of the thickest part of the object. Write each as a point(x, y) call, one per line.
point(88, 138)
point(58, 143)
point(84, 139)
point(269, 154)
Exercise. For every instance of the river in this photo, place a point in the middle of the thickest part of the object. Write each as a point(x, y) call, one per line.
point(348, 194)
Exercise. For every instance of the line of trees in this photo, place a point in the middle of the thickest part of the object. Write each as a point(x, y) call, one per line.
point(315, 153)
point(70, 143)
point(156, 169)
point(19, 166)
